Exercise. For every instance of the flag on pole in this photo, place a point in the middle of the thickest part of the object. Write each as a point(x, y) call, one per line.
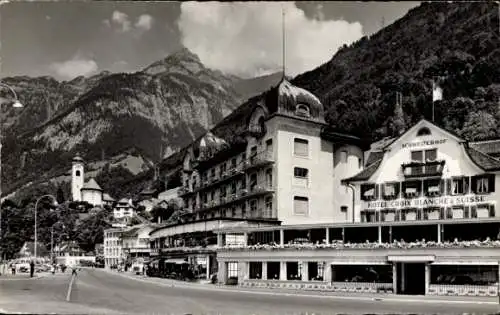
point(437, 92)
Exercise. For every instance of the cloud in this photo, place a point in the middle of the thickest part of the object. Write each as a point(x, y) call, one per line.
point(246, 38)
point(144, 22)
point(121, 19)
point(75, 67)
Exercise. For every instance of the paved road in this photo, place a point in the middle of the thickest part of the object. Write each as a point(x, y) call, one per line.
point(101, 292)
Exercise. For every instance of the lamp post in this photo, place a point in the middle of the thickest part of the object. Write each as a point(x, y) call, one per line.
point(15, 104)
point(36, 223)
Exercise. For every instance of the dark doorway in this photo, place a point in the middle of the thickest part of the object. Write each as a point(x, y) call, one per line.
point(411, 278)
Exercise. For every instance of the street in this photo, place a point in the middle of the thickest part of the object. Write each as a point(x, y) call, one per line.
point(97, 291)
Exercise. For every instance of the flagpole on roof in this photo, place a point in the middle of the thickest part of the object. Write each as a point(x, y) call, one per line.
point(283, 40)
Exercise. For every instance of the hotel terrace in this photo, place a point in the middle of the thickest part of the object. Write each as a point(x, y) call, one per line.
point(275, 198)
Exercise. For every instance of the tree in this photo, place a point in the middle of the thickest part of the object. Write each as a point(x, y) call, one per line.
point(91, 231)
point(60, 196)
point(480, 125)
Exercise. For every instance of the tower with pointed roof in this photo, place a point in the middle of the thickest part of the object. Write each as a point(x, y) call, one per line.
point(77, 178)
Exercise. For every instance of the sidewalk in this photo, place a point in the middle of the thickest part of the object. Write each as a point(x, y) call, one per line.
point(23, 276)
point(318, 294)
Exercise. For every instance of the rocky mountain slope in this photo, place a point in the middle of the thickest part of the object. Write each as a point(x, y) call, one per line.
point(110, 116)
point(458, 44)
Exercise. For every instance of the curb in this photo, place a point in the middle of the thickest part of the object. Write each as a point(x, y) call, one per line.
point(385, 298)
point(36, 277)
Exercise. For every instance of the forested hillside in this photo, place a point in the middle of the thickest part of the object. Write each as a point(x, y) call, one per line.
point(457, 44)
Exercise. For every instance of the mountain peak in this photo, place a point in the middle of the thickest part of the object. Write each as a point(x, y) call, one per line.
point(182, 60)
point(184, 54)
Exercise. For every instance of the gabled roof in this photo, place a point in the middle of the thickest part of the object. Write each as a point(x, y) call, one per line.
point(107, 197)
point(91, 185)
point(365, 174)
point(483, 160)
point(373, 157)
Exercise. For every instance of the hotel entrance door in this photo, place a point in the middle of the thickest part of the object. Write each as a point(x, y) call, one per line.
point(410, 278)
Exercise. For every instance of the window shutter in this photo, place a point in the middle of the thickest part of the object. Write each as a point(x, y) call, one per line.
point(473, 183)
point(448, 187)
point(467, 185)
point(383, 191)
point(466, 212)
point(442, 214)
point(377, 189)
point(449, 213)
point(492, 211)
point(441, 186)
point(491, 182)
point(473, 211)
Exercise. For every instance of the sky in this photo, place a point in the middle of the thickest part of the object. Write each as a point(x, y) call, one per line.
point(65, 39)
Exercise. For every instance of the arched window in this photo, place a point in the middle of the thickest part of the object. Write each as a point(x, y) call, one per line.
point(302, 110)
point(77, 173)
point(423, 132)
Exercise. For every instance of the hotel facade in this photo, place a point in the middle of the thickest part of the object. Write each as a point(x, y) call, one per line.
point(275, 198)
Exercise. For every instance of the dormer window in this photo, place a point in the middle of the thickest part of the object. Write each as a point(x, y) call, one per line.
point(424, 132)
point(302, 110)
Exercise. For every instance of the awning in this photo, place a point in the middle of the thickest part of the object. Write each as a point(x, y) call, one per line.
point(411, 258)
point(178, 261)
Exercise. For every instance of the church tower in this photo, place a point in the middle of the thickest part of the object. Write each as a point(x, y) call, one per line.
point(77, 178)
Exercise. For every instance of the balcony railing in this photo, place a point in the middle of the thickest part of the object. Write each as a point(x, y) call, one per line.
point(242, 195)
point(423, 169)
point(371, 245)
point(258, 161)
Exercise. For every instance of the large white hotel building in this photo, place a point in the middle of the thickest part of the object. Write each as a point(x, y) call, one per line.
point(275, 198)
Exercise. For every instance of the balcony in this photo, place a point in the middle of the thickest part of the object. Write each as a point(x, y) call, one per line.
point(423, 169)
point(242, 195)
point(258, 161)
point(228, 175)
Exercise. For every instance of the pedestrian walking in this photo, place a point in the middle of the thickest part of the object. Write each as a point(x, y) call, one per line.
point(13, 268)
point(32, 268)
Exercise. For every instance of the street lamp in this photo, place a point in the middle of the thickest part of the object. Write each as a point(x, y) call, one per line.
point(16, 104)
point(54, 202)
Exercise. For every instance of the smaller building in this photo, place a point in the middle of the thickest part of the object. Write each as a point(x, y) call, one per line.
point(107, 200)
point(70, 254)
point(113, 247)
point(135, 241)
point(124, 208)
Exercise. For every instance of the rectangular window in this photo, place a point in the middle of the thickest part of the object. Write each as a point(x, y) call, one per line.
point(269, 146)
point(300, 205)
point(233, 188)
point(269, 177)
point(253, 208)
point(269, 207)
point(301, 147)
point(300, 172)
point(482, 185)
point(255, 270)
point(232, 269)
point(459, 186)
point(253, 181)
point(233, 163)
